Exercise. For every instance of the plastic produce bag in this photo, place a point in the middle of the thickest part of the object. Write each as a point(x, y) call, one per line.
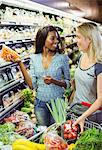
point(54, 142)
point(8, 51)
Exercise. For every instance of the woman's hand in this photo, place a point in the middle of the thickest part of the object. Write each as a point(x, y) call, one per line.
point(48, 79)
point(81, 122)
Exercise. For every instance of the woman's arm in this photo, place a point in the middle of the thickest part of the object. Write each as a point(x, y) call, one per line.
point(66, 75)
point(25, 74)
point(94, 107)
point(27, 77)
point(49, 80)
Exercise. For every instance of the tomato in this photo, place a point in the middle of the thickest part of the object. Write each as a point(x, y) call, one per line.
point(65, 136)
point(64, 126)
point(65, 132)
point(69, 136)
point(74, 135)
point(64, 145)
point(75, 128)
point(70, 122)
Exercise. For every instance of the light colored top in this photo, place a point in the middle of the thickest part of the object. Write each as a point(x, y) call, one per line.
point(86, 85)
point(58, 69)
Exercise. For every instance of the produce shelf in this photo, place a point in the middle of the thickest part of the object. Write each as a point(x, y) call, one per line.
point(13, 23)
point(6, 65)
point(11, 42)
point(10, 109)
point(10, 86)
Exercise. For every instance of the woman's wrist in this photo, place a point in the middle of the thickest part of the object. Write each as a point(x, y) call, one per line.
point(83, 116)
point(19, 61)
point(59, 83)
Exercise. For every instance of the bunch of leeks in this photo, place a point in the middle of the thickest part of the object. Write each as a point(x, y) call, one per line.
point(58, 110)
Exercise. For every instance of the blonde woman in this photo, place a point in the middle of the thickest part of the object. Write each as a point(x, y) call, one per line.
point(88, 75)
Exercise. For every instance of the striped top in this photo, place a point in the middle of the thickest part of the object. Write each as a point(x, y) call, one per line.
point(86, 85)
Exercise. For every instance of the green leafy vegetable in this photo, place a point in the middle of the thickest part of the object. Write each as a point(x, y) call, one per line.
point(28, 95)
point(90, 139)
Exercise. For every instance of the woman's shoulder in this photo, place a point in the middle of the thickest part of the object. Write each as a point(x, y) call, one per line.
point(63, 57)
point(34, 56)
point(98, 68)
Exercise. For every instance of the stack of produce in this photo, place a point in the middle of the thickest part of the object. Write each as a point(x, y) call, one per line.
point(23, 124)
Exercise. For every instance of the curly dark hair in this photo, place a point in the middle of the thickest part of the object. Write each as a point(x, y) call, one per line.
point(41, 38)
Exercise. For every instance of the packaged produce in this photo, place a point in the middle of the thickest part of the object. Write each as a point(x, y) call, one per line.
point(54, 142)
point(70, 132)
point(8, 51)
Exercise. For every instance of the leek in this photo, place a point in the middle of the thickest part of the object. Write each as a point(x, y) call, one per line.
point(58, 110)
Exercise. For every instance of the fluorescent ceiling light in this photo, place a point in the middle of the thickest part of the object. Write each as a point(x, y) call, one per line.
point(61, 4)
point(27, 4)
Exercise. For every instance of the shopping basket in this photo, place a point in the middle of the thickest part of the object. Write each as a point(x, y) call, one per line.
point(88, 124)
point(72, 116)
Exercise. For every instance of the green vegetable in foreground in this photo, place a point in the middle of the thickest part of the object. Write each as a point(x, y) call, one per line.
point(90, 139)
point(58, 110)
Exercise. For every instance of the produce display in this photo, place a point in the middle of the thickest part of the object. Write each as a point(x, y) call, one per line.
point(28, 96)
point(8, 134)
point(17, 126)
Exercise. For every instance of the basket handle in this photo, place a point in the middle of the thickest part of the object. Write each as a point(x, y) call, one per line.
point(88, 105)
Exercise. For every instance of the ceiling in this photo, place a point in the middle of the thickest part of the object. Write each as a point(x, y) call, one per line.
point(89, 9)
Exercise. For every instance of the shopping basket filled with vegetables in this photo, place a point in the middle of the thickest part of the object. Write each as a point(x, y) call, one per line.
point(69, 133)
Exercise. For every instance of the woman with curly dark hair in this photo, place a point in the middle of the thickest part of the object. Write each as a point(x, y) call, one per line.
point(49, 71)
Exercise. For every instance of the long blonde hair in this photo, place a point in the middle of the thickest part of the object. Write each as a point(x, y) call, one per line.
point(90, 30)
